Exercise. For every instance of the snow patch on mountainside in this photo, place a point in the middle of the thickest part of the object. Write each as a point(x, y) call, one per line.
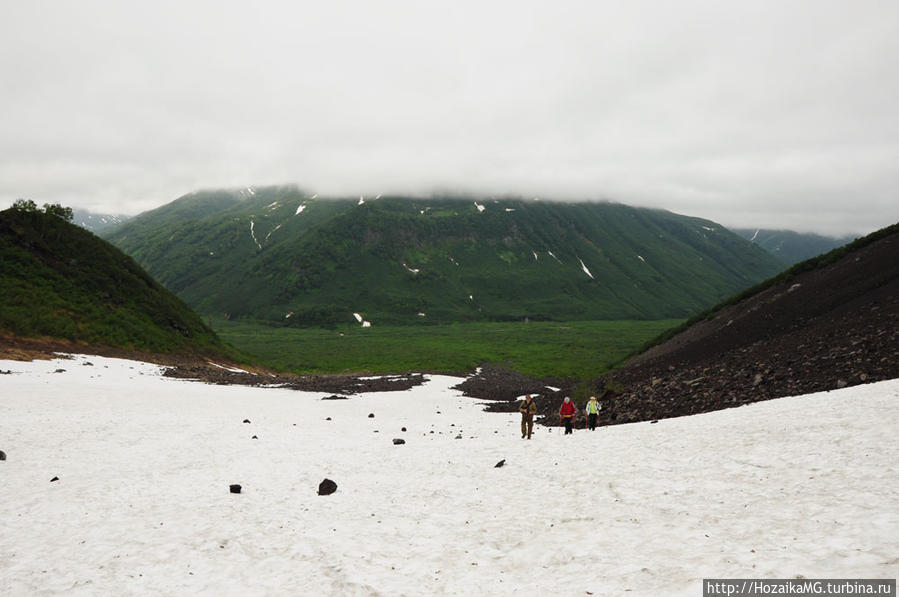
point(584, 267)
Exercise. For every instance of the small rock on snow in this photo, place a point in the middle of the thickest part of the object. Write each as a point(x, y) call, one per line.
point(54, 479)
point(500, 463)
point(397, 441)
point(327, 487)
point(234, 488)
point(3, 454)
point(371, 415)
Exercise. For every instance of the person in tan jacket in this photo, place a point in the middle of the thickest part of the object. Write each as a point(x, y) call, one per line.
point(528, 409)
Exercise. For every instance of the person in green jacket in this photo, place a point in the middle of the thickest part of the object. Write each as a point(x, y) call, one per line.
point(528, 409)
point(592, 409)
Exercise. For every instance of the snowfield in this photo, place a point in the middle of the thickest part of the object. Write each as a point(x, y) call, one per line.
point(797, 486)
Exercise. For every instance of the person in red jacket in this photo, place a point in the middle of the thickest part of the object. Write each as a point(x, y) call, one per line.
point(566, 413)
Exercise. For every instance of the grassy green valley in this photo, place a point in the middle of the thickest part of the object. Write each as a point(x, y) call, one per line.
point(541, 349)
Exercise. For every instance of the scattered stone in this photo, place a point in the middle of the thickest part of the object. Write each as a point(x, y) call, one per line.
point(246, 420)
point(500, 463)
point(336, 397)
point(328, 419)
point(757, 379)
point(2, 455)
point(60, 371)
point(7, 372)
point(54, 479)
point(654, 422)
point(327, 487)
point(459, 436)
point(87, 364)
point(841, 384)
point(234, 488)
point(403, 429)
point(397, 441)
point(371, 415)
point(254, 437)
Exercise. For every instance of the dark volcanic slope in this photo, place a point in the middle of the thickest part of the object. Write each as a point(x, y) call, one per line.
point(815, 329)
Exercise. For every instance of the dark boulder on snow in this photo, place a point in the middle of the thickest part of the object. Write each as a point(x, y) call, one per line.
point(335, 397)
point(397, 441)
point(403, 429)
point(234, 488)
point(246, 420)
point(54, 479)
point(500, 463)
point(327, 487)
point(255, 437)
point(2, 455)
point(371, 415)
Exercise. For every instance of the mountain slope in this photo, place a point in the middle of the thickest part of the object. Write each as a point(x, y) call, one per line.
point(96, 222)
point(826, 323)
point(280, 255)
point(791, 247)
point(61, 281)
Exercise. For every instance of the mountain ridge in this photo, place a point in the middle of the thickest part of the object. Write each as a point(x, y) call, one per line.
point(299, 260)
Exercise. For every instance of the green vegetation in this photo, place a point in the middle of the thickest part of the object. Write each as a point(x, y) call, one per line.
point(280, 256)
point(58, 280)
point(543, 349)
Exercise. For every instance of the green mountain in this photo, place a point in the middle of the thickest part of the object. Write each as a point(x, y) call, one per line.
point(62, 281)
point(792, 247)
point(95, 222)
point(280, 255)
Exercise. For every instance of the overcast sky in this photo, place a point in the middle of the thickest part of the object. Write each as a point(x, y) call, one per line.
point(754, 113)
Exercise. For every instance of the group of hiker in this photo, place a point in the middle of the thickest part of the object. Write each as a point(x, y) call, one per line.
point(567, 414)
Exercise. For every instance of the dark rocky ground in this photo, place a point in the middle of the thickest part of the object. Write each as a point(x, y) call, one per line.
point(333, 384)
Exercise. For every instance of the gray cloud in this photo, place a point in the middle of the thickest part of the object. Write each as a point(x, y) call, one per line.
point(774, 114)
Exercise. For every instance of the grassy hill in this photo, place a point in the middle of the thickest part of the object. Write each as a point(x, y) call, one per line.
point(282, 256)
point(59, 280)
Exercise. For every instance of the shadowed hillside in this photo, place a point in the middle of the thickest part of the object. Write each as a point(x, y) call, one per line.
point(827, 323)
point(60, 281)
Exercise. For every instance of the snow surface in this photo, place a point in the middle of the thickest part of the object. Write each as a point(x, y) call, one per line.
point(584, 267)
point(804, 485)
point(300, 209)
point(754, 236)
point(640, 257)
point(253, 233)
point(270, 232)
point(480, 207)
